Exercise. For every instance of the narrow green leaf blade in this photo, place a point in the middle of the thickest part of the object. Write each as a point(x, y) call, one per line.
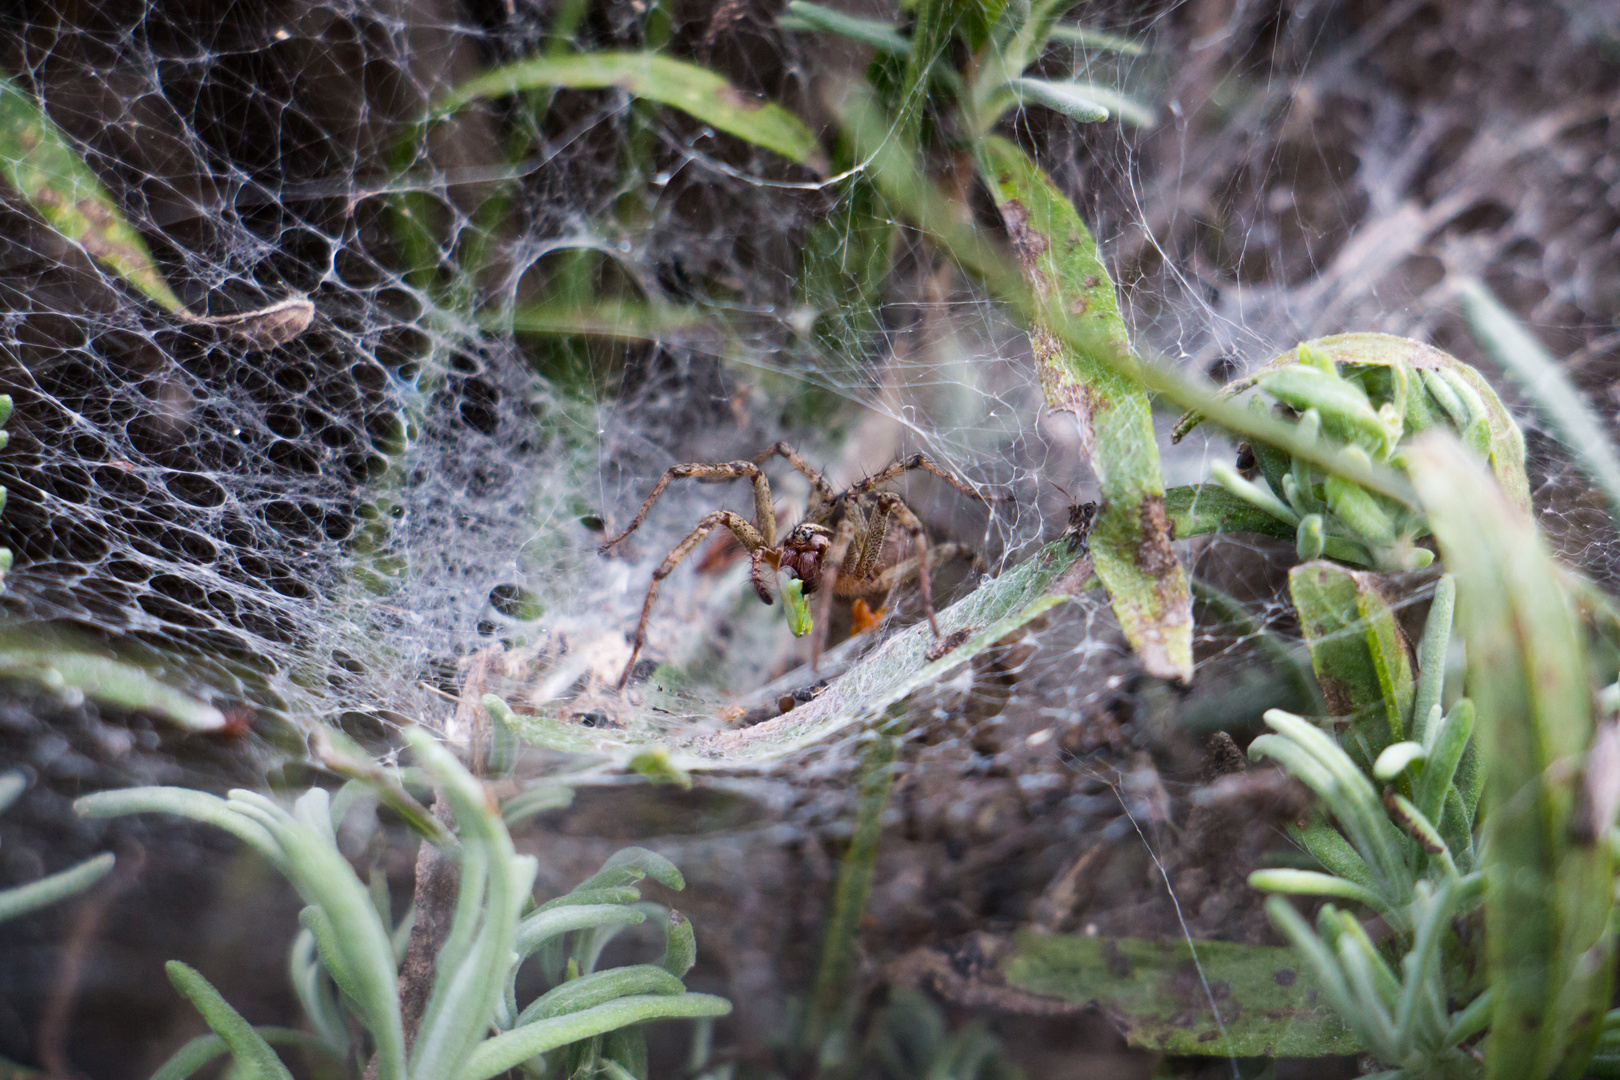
point(249, 1049)
point(506, 1051)
point(1356, 648)
point(696, 91)
point(113, 682)
point(1551, 962)
point(1130, 542)
point(37, 159)
point(48, 890)
point(883, 36)
point(1512, 345)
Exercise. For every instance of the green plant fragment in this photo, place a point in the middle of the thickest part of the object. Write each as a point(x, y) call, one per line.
point(37, 160)
point(1086, 102)
point(1512, 345)
point(249, 1050)
point(1552, 969)
point(599, 987)
point(1130, 540)
point(1096, 39)
point(883, 36)
point(694, 90)
point(1201, 509)
point(1361, 659)
point(508, 1050)
point(1074, 100)
point(22, 899)
point(199, 1052)
point(111, 682)
point(1154, 992)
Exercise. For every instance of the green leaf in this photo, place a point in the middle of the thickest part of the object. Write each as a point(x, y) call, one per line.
point(629, 865)
point(323, 877)
point(1130, 541)
point(680, 950)
point(1329, 847)
point(48, 890)
point(1358, 651)
point(1522, 356)
point(597, 988)
point(1449, 743)
point(1431, 656)
point(197, 1053)
point(1396, 758)
point(1083, 101)
point(1201, 509)
point(1311, 883)
point(1445, 378)
point(1087, 38)
point(249, 1050)
point(37, 159)
point(196, 805)
point(616, 894)
point(1070, 99)
point(548, 923)
point(1346, 413)
point(111, 682)
point(514, 1047)
point(1321, 763)
point(467, 993)
point(883, 36)
point(891, 163)
point(1154, 991)
point(696, 91)
point(1549, 950)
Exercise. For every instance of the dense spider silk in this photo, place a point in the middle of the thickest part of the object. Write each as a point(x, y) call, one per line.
point(217, 505)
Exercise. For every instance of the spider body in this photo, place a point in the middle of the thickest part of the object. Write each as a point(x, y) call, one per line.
point(838, 549)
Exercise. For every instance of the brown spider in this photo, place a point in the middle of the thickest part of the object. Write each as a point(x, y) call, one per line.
point(836, 550)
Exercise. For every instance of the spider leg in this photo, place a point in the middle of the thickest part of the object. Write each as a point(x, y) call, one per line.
point(915, 461)
point(817, 481)
point(902, 572)
point(764, 511)
point(895, 507)
point(745, 533)
point(842, 537)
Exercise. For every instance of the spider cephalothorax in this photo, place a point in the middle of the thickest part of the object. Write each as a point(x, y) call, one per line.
point(837, 550)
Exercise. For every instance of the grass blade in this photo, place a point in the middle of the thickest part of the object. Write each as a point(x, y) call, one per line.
point(696, 91)
point(883, 36)
point(1510, 344)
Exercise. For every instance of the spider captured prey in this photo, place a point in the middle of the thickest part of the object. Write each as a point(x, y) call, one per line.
point(837, 549)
